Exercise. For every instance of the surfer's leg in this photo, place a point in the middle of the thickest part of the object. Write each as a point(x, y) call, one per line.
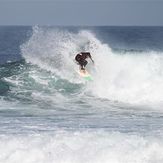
point(85, 63)
point(81, 65)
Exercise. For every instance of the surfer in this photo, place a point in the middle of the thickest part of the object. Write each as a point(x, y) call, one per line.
point(81, 59)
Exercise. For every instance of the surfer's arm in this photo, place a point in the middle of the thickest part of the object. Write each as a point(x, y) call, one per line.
point(91, 59)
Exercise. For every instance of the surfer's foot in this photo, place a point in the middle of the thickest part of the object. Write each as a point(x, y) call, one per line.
point(82, 68)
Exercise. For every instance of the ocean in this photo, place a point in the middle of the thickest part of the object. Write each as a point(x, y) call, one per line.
point(49, 114)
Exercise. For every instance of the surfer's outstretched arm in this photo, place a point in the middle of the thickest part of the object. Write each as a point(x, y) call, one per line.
point(89, 55)
point(92, 60)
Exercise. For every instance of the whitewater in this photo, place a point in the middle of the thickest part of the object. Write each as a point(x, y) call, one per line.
point(49, 114)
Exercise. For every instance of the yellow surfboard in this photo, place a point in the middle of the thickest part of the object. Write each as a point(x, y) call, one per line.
point(85, 74)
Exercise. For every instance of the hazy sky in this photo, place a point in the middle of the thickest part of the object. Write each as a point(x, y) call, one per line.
point(81, 12)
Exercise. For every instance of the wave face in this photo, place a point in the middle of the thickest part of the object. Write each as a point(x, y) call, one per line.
point(49, 114)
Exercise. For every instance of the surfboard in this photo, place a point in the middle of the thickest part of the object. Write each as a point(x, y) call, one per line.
point(85, 74)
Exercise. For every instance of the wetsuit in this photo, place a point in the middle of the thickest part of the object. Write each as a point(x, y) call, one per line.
point(81, 59)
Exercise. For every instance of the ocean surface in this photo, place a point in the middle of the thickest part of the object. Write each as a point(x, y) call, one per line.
point(49, 114)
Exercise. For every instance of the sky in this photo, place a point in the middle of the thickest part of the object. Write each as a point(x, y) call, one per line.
point(82, 12)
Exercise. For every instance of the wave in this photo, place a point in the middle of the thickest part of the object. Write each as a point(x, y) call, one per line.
point(7, 70)
point(28, 83)
point(132, 77)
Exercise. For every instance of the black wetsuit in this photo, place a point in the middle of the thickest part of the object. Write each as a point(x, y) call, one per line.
point(81, 58)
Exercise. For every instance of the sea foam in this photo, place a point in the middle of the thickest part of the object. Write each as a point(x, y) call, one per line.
point(79, 147)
